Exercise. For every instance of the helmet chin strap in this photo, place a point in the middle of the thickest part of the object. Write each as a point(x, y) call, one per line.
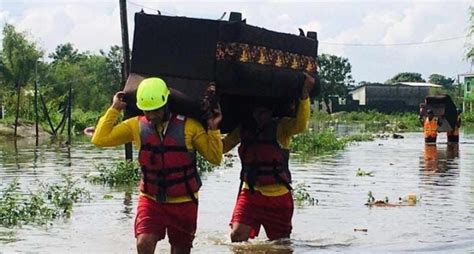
point(167, 114)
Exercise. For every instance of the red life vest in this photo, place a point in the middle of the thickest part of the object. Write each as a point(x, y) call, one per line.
point(168, 168)
point(264, 161)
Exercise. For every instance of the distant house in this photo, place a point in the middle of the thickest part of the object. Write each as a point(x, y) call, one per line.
point(467, 86)
point(402, 96)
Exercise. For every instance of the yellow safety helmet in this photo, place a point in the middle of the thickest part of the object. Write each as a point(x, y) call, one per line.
point(152, 93)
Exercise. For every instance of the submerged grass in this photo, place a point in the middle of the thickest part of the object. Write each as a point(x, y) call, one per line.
point(46, 203)
point(121, 173)
point(205, 166)
point(310, 143)
point(313, 143)
point(127, 173)
point(301, 196)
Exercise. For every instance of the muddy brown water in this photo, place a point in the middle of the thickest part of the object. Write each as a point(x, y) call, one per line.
point(442, 221)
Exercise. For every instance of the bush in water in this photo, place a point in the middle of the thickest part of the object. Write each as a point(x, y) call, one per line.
point(119, 173)
point(48, 202)
point(205, 166)
point(127, 172)
point(301, 197)
point(310, 143)
point(82, 120)
point(313, 143)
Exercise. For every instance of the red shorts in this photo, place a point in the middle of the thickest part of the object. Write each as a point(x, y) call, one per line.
point(179, 220)
point(273, 213)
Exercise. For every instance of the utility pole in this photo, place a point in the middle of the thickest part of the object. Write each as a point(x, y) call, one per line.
point(126, 62)
point(69, 108)
point(36, 103)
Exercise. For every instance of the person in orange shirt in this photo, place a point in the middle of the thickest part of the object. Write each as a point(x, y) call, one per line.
point(265, 193)
point(453, 136)
point(167, 145)
point(430, 127)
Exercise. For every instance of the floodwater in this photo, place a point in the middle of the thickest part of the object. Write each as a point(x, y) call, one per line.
point(442, 221)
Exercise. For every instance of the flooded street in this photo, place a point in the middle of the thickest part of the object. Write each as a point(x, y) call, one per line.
point(442, 221)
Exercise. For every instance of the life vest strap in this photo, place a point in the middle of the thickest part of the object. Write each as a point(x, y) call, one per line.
point(160, 181)
point(261, 172)
point(166, 171)
point(163, 148)
point(260, 141)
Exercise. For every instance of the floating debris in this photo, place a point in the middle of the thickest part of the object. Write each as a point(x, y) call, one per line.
point(397, 136)
point(361, 172)
point(409, 200)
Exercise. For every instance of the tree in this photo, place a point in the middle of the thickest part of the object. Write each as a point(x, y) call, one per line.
point(406, 77)
point(470, 50)
point(114, 64)
point(335, 76)
point(438, 79)
point(19, 59)
point(66, 53)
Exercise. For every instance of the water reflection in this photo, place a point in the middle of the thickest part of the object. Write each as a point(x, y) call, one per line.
point(440, 164)
point(440, 160)
point(452, 151)
point(431, 158)
point(127, 204)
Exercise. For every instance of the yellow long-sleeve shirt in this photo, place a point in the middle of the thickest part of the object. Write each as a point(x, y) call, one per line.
point(107, 134)
point(287, 127)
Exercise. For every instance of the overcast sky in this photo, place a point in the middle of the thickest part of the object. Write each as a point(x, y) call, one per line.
point(342, 26)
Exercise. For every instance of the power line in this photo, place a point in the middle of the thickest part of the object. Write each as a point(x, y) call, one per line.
point(393, 44)
point(342, 44)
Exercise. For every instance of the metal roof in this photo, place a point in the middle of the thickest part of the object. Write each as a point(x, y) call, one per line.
point(419, 84)
point(413, 84)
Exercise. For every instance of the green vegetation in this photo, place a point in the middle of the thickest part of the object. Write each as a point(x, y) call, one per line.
point(470, 34)
point(373, 120)
point(314, 143)
point(406, 77)
point(301, 196)
point(127, 173)
point(358, 138)
point(121, 173)
point(46, 203)
point(205, 166)
point(467, 118)
point(335, 76)
point(22, 64)
point(361, 172)
point(310, 143)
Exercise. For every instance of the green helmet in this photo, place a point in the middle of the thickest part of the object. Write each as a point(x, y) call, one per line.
point(152, 93)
